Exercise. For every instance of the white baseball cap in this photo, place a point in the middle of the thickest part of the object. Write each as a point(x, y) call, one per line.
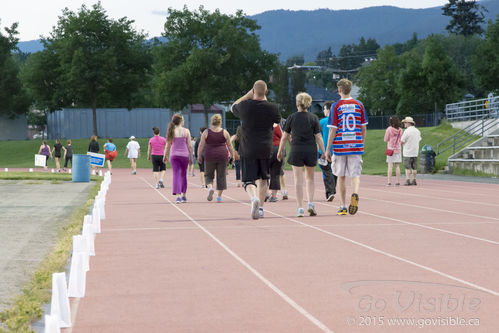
point(132, 138)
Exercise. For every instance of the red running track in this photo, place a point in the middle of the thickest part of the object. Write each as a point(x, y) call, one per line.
point(413, 259)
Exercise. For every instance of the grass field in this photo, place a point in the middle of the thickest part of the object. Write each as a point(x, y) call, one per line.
point(20, 154)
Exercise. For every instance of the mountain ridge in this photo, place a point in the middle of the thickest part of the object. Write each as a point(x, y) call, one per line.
point(304, 32)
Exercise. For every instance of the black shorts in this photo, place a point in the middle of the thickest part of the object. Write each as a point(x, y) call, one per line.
point(253, 169)
point(300, 159)
point(157, 163)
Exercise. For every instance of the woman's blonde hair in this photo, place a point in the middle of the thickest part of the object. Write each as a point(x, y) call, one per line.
point(216, 120)
point(304, 100)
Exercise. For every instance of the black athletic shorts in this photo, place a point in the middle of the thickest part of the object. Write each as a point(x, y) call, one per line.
point(253, 169)
point(157, 163)
point(300, 159)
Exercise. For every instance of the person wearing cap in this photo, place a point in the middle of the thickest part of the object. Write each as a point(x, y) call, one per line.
point(410, 141)
point(133, 152)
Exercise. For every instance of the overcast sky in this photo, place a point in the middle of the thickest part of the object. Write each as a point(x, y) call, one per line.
point(37, 17)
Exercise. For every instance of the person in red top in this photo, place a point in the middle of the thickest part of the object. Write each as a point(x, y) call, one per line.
point(393, 137)
point(275, 164)
point(155, 152)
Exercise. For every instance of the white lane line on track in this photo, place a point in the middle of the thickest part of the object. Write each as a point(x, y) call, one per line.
point(269, 284)
point(421, 226)
point(425, 226)
point(341, 225)
point(467, 202)
point(431, 208)
point(429, 269)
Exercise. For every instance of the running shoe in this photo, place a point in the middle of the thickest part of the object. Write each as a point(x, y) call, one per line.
point(342, 211)
point(219, 199)
point(272, 199)
point(407, 182)
point(210, 194)
point(255, 214)
point(311, 209)
point(157, 186)
point(267, 197)
point(330, 197)
point(414, 182)
point(300, 212)
point(284, 195)
point(388, 184)
point(179, 200)
point(354, 204)
point(397, 184)
point(184, 199)
point(260, 212)
point(161, 184)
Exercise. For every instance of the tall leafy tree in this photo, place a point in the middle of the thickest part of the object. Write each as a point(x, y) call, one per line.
point(378, 82)
point(486, 60)
point(466, 17)
point(89, 60)
point(280, 86)
point(13, 97)
point(411, 86)
point(295, 60)
point(209, 57)
point(444, 82)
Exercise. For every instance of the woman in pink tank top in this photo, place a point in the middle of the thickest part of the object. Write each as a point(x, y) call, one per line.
point(179, 146)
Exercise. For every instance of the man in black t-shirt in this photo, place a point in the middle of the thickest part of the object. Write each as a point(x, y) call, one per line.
point(257, 119)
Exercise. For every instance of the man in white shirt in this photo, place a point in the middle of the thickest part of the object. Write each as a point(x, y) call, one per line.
point(410, 140)
point(133, 152)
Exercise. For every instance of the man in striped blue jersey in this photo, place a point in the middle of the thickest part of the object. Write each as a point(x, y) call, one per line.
point(347, 131)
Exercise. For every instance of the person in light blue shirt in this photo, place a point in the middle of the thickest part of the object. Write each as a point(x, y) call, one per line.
point(327, 174)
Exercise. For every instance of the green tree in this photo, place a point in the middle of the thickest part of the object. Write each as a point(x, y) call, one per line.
point(466, 17)
point(209, 57)
point(298, 60)
point(280, 86)
point(14, 99)
point(411, 85)
point(323, 57)
point(485, 63)
point(444, 81)
point(89, 60)
point(378, 82)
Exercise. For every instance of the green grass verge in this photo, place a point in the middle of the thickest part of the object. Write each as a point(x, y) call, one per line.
point(20, 154)
point(54, 177)
point(27, 307)
point(471, 173)
point(375, 159)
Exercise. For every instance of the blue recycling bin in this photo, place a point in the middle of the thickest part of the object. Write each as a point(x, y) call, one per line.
point(81, 168)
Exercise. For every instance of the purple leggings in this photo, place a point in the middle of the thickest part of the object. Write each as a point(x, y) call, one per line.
point(179, 169)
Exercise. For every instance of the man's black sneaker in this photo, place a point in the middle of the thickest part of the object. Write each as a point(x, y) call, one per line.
point(354, 204)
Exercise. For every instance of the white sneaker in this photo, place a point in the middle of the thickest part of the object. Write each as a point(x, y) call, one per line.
point(311, 209)
point(210, 194)
point(255, 213)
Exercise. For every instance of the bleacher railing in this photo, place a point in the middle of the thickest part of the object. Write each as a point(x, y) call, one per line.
point(473, 109)
point(467, 135)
